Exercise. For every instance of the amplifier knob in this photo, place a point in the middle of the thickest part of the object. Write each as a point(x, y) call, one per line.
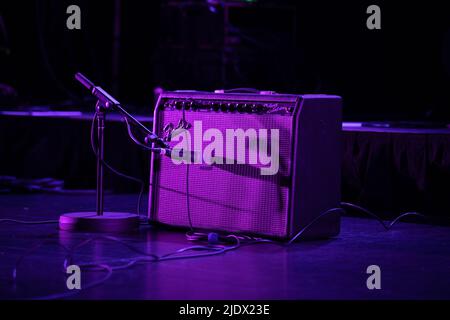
point(248, 108)
point(215, 106)
point(260, 108)
point(224, 107)
point(178, 105)
point(187, 105)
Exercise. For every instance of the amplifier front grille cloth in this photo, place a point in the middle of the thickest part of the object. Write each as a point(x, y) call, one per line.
point(234, 197)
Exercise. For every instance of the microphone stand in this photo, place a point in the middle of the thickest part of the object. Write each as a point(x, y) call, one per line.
point(100, 221)
point(100, 156)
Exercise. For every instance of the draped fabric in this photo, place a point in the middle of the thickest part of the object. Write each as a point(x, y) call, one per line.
point(393, 172)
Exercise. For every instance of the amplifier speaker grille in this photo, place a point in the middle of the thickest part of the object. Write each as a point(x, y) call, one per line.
point(232, 196)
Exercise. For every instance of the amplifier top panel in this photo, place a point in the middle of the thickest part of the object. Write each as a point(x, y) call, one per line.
point(232, 102)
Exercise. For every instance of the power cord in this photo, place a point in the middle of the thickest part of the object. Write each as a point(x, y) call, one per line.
point(28, 222)
point(105, 266)
point(188, 205)
point(385, 226)
point(326, 213)
point(198, 236)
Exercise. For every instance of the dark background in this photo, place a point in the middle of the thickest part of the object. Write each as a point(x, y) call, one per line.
point(399, 72)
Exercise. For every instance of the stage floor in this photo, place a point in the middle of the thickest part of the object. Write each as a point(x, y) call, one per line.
point(414, 260)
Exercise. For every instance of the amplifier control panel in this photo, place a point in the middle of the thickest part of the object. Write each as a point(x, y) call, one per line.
point(227, 106)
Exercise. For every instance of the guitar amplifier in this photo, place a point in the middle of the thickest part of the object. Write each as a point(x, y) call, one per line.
point(257, 164)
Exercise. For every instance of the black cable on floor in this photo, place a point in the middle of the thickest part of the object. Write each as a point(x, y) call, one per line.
point(373, 215)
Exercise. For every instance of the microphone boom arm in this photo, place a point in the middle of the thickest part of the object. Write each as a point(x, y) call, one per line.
point(107, 101)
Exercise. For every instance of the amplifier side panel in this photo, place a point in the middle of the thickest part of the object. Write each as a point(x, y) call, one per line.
point(317, 166)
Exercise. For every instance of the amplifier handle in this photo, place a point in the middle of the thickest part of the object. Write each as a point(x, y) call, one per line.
point(244, 90)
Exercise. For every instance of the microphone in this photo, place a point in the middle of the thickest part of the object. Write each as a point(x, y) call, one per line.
point(109, 101)
point(84, 81)
point(98, 92)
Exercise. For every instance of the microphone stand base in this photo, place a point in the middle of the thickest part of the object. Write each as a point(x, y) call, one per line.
point(109, 222)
